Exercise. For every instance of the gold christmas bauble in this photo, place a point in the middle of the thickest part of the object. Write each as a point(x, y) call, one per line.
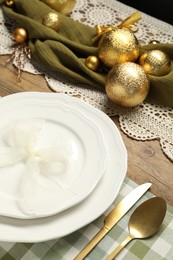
point(62, 6)
point(118, 46)
point(9, 2)
point(155, 62)
point(20, 35)
point(52, 21)
point(93, 63)
point(127, 84)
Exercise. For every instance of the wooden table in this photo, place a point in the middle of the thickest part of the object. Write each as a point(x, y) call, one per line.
point(146, 161)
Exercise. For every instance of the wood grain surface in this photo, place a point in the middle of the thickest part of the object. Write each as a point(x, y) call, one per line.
point(146, 160)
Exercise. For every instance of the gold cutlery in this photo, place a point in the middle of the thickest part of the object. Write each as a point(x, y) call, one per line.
point(114, 216)
point(144, 222)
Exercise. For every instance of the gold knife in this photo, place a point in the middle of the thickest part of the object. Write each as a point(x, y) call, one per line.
point(114, 216)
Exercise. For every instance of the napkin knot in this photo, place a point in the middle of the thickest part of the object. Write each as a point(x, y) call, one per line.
point(43, 166)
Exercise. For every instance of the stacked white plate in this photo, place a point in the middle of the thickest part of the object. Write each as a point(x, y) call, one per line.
point(97, 165)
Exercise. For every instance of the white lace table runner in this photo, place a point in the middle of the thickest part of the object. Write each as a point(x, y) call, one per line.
point(144, 122)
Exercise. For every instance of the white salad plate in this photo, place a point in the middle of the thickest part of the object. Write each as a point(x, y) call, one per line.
point(29, 194)
point(105, 192)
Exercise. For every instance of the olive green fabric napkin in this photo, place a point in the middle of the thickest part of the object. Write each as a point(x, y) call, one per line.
point(65, 51)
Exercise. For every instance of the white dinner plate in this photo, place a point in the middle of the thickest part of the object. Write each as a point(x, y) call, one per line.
point(80, 151)
point(70, 220)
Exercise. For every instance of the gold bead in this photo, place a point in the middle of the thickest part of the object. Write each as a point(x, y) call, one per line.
point(118, 46)
point(154, 42)
point(127, 84)
point(20, 35)
point(62, 6)
point(52, 21)
point(9, 2)
point(155, 62)
point(93, 63)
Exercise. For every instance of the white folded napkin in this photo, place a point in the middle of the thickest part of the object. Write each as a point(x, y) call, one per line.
point(41, 188)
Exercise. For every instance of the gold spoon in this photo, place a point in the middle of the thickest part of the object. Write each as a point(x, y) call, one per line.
point(144, 222)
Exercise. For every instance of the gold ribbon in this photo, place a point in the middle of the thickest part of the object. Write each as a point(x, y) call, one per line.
point(128, 23)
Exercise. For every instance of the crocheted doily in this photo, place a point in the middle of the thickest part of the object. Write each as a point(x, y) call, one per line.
point(144, 122)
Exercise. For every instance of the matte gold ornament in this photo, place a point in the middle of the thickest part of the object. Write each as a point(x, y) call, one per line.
point(155, 62)
point(93, 63)
point(62, 6)
point(118, 46)
point(21, 52)
point(127, 84)
point(52, 21)
point(20, 35)
point(9, 2)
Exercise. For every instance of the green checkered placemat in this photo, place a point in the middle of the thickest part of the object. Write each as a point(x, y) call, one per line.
point(160, 246)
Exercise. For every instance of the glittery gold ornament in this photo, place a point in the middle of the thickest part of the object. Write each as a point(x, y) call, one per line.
point(93, 63)
point(9, 2)
point(118, 46)
point(52, 21)
point(155, 62)
point(20, 35)
point(127, 84)
point(62, 6)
